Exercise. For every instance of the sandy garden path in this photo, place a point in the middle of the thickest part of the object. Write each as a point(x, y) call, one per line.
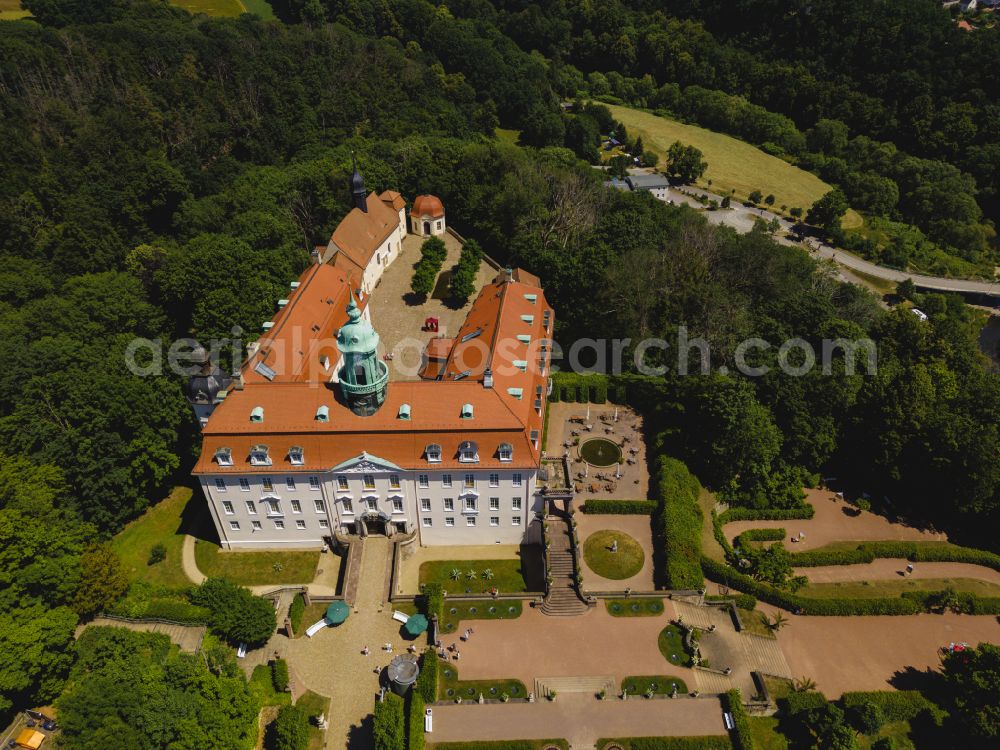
point(832, 524)
point(891, 569)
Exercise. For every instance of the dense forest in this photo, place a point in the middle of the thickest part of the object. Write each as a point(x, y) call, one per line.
point(165, 175)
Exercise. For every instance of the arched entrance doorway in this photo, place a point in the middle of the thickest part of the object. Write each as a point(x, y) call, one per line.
point(427, 228)
point(376, 523)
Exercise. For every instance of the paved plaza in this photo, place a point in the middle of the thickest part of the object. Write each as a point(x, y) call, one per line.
point(398, 317)
point(578, 718)
point(866, 653)
point(627, 432)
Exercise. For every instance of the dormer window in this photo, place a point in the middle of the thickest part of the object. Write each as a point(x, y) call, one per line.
point(323, 414)
point(466, 411)
point(224, 456)
point(257, 414)
point(404, 411)
point(296, 455)
point(521, 364)
point(524, 338)
point(516, 392)
point(468, 451)
point(259, 457)
point(433, 452)
point(506, 452)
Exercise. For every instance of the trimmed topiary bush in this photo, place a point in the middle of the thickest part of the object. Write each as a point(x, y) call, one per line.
point(296, 611)
point(677, 523)
point(619, 507)
point(427, 681)
point(279, 675)
point(866, 717)
point(796, 703)
point(389, 724)
point(769, 514)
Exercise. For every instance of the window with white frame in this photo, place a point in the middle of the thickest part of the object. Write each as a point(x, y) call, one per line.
point(279, 525)
point(296, 506)
point(244, 484)
point(266, 484)
point(251, 508)
point(468, 451)
point(234, 525)
point(296, 455)
point(314, 483)
point(506, 452)
point(449, 503)
point(470, 481)
point(300, 524)
point(515, 521)
point(273, 507)
point(516, 479)
point(290, 484)
point(368, 482)
point(494, 520)
point(371, 504)
point(347, 505)
point(494, 503)
point(470, 504)
point(220, 484)
point(318, 505)
point(259, 456)
point(446, 480)
point(394, 482)
point(425, 504)
point(433, 453)
point(224, 457)
point(397, 505)
point(423, 481)
point(228, 507)
point(427, 522)
point(449, 521)
point(342, 483)
point(470, 521)
point(324, 524)
point(255, 525)
point(494, 480)
point(515, 503)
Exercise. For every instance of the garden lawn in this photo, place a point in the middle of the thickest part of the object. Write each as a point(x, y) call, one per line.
point(261, 8)
point(450, 687)
point(617, 566)
point(753, 622)
point(899, 731)
point(161, 524)
point(764, 730)
point(312, 614)
point(671, 643)
point(507, 576)
point(222, 8)
point(314, 704)
point(634, 607)
point(659, 684)
point(456, 612)
point(732, 164)
point(10, 10)
point(256, 568)
point(891, 588)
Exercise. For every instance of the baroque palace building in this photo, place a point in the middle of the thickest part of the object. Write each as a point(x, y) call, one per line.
point(312, 436)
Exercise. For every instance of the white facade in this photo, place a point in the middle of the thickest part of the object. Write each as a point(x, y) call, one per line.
point(427, 226)
point(466, 505)
point(385, 254)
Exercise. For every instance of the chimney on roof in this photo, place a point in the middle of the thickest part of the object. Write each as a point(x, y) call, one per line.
point(487, 378)
point(315, 256)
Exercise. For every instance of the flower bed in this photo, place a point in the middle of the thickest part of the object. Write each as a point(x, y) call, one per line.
point(657, 684)
point(634, 607)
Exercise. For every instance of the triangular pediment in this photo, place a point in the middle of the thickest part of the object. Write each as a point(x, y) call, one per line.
point(366, 463)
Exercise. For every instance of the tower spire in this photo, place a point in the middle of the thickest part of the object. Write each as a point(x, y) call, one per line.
point(358, 191)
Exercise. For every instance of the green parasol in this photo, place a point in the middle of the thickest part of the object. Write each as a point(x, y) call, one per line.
point(416, 625)
point(337, 612)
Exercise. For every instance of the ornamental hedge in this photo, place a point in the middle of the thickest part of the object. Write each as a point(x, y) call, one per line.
point(279, 675)
point(767, 514)
point(619, 507)
point(896, 705)
point(796, 703)
point(296, 611)
point(677, 524)
point(433, 600)
point(427, 681)
point(866, 552)
point(760, 535)
point(389, 724)
point(712, 742)
point(415, 722)
point(742, 736)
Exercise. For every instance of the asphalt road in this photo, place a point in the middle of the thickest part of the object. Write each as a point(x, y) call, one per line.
point(742, 218)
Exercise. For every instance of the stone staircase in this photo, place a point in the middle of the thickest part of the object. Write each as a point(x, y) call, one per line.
point(563, 599)
point(563, 685)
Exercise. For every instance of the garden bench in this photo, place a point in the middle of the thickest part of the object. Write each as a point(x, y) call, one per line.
point(401, 616)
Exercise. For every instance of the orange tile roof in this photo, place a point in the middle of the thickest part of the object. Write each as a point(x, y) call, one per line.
point(427, 205)
point(359, 235)
point(304, 332)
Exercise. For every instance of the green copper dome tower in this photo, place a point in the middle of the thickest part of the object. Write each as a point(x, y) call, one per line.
point(364, 377)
